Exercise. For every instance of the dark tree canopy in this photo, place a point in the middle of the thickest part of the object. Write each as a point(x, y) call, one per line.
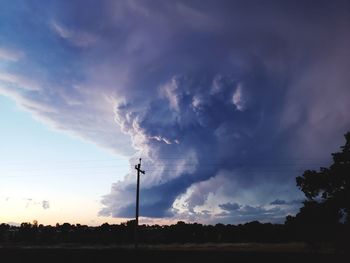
point(328, 190)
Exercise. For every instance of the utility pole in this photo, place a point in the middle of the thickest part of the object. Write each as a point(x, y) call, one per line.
point(138, 168)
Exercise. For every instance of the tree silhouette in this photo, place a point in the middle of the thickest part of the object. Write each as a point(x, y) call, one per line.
point(325, 214)
point(328, 190)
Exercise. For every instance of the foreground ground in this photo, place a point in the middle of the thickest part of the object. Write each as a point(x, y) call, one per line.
point(173, 253)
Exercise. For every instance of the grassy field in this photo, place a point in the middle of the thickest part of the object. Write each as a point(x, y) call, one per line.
point(294, 252)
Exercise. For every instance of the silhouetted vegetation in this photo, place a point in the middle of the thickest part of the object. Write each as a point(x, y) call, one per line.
point(325, 214)
point(181, 232)
point(123, 233)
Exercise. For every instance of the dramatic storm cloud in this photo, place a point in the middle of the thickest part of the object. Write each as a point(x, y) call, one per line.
point(225, 101)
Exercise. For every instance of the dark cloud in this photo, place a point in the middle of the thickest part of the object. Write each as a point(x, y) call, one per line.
point(230, 206)
point(225, 101)
point(283, 202)
point(297, 202)
point(248, 213)
point(278, 202)
point(257, 210)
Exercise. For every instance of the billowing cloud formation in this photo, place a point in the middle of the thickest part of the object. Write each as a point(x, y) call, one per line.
point(226, 101)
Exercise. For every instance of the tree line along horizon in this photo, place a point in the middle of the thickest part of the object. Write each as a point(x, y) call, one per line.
point(324, 216)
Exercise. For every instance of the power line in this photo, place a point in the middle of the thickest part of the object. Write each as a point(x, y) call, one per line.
point(207, 163)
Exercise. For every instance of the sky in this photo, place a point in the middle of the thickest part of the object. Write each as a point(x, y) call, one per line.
point(226, 102)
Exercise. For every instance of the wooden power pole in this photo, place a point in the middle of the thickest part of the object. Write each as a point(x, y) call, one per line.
point(138, 168)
